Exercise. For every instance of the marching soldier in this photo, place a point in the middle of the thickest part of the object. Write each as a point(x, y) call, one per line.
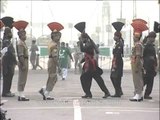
point(117, 62)
point(150, 63)
point(90, 68)
point(55, 27)
point(139, 26)
point(22, 53)
point(9, 59)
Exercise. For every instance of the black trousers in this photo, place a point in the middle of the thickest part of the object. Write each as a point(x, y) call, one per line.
point(117, 85)
point(8, 73)
point(148, 82)
point(86, 81)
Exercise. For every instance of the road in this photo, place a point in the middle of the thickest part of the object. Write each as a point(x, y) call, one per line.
point(68, 104)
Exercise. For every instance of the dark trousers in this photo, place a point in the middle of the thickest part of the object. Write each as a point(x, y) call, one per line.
point(7, 80)
point(117, 85)
point(148, 81)
point(86, 81)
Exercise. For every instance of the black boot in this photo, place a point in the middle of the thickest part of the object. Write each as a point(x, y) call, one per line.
point(106, 95)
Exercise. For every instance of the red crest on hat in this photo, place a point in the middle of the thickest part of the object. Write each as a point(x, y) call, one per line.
point(1, 24)
point(139, 26)
point(55, 26)
point(20, 25)
point(139, 19)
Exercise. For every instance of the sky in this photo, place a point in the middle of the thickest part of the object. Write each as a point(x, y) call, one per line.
point(65, 12)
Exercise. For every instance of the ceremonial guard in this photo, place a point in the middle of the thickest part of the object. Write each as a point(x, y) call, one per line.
point(53, 64)
point(139, 25)
point(117, 61)
point(150, 63)
point(90, 68)
point(9, 58)
point(22, 54)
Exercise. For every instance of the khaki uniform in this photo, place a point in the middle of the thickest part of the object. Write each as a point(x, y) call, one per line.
point(22, 50)
point(137, 67)
point(52, 65)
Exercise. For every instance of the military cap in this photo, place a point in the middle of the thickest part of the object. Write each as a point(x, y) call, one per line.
point(139, 19)
point(118, 27)
point(156, 27)
point(80, 26)
point(1, 24)
point(139, 26)
point(7, 21)
point(20, 25)
point(55, 26)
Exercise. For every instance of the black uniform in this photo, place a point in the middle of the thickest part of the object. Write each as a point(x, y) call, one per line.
point(8, 63)
point(117, 62)
point(90, 70)
point(9, 59)
point(150, 62)
point(117, 67)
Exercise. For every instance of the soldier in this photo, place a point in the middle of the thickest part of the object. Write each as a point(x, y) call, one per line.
point(150, 64)
point(90, 68)
point(33, 55)
point(139, 26)
point(117, 61)
point(157, 30)
point(55, 27)
point(22, 53)
point(9, 58)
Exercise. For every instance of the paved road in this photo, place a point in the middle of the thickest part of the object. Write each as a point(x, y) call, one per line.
point(68, 105)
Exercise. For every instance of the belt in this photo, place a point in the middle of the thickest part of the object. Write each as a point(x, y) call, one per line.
point(25, 57)
point(52, 56)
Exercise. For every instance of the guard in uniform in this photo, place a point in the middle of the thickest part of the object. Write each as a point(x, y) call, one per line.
point(90, 68)
point(53, 63)
point(22, 53)
point(139, 25)
point(9, 58)
point(157, 30)
point(150, 64)
point(117, 61)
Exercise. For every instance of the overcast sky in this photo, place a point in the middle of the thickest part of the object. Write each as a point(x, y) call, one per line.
point(76, 11)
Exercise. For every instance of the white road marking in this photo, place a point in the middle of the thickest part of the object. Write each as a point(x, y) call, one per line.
point(77, 110)
point(112, 113)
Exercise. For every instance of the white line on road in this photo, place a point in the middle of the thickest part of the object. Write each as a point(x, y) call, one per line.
point(77, 110)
